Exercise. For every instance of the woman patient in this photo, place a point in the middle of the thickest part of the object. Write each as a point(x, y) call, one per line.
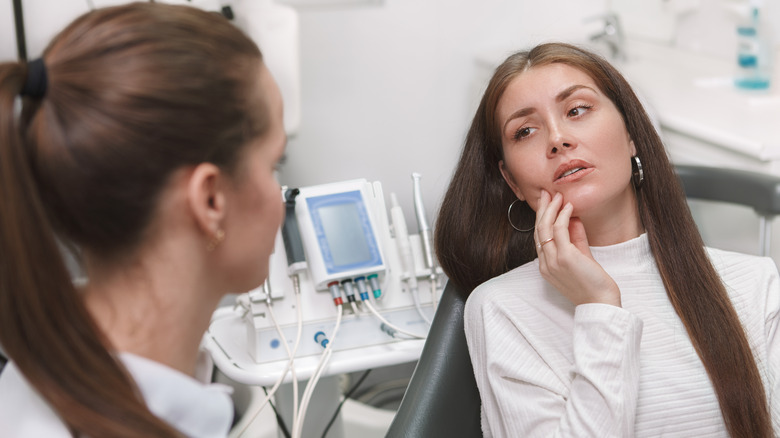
point(596, 309)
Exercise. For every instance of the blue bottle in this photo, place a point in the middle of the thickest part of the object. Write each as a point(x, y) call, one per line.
point(753, 55)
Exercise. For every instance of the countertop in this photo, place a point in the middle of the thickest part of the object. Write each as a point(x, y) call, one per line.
point(694, 94)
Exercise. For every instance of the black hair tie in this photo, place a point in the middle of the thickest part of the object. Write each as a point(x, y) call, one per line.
point(37, 80)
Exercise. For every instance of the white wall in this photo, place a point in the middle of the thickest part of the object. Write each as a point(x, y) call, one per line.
point(42, 20)
point(7, 35)
point(389, 89)
point(706, 26)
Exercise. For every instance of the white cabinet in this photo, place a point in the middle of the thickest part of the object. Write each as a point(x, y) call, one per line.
point(703, 117)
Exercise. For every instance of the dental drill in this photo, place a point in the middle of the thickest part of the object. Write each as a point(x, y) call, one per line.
point(425, 233)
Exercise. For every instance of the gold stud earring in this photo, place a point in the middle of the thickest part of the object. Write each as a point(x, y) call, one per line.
point(219, 236)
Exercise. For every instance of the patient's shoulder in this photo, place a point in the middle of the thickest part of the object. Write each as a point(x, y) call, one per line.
point(752, 282)
point(735, 264)
point(521, 292)
point(525, 277)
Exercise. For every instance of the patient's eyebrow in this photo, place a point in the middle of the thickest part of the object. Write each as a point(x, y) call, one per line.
point(568, 92)
point(517, 114)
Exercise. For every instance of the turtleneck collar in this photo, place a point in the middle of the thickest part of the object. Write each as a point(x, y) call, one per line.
point(629, 255)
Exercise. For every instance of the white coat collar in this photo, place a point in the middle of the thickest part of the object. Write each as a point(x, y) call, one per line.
point(194, 408)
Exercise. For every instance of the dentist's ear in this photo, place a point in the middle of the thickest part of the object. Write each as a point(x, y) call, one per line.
point(510, 180)
point(206, 198)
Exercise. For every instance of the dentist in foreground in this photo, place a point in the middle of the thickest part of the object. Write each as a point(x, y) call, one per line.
point(148, 137)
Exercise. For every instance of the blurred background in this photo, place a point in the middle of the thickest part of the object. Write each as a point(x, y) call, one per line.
point(379, 89)
point(384, 88)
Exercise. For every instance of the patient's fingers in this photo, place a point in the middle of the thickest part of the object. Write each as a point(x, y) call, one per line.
point(546, 217)
point(568, 265)
point(560, 227)
point(545, 239)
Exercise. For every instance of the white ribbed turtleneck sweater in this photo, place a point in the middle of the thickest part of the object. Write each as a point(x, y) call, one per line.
point(547, 368)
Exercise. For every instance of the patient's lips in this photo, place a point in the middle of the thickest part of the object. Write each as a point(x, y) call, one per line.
point(571, 171)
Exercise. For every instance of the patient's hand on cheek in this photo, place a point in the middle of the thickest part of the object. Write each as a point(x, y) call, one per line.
point(564, 255)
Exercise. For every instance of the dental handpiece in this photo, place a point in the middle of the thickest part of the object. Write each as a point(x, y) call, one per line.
point(422, 223)
point(402, 239)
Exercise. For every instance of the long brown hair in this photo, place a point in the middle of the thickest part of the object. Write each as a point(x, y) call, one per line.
point(134, 93)
point(475, 242)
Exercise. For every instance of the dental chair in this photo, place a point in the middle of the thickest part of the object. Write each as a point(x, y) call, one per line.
point(442, 399)
point(759, 191)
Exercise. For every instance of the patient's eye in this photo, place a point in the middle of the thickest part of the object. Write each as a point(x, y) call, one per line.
point(579, 110)
point(523, 132)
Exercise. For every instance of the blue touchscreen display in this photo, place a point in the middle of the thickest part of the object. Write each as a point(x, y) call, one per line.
point(344, 233)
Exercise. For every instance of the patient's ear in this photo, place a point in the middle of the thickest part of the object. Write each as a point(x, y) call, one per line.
point(510, 180)
point(206, 197)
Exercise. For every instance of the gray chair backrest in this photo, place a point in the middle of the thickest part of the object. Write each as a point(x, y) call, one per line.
point(751, 189)
point(442, 400)
point(759, 191)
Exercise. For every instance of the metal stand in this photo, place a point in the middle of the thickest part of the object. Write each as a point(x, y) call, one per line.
point(324, 401)
point(21, 40)
point(765, 235)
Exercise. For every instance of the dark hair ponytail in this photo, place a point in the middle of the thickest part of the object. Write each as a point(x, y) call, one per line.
point(135, 92)
point(44, 325)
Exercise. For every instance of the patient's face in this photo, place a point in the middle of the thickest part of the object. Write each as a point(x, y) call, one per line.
point(560, 133)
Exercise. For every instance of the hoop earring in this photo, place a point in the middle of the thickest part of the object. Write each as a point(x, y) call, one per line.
point(509, 216)
point(219, 236)
point(637, 174)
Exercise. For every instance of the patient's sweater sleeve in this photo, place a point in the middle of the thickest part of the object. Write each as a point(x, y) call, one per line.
point(525, 394)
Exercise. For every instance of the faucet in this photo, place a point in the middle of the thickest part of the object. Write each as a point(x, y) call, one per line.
point(611, 35)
